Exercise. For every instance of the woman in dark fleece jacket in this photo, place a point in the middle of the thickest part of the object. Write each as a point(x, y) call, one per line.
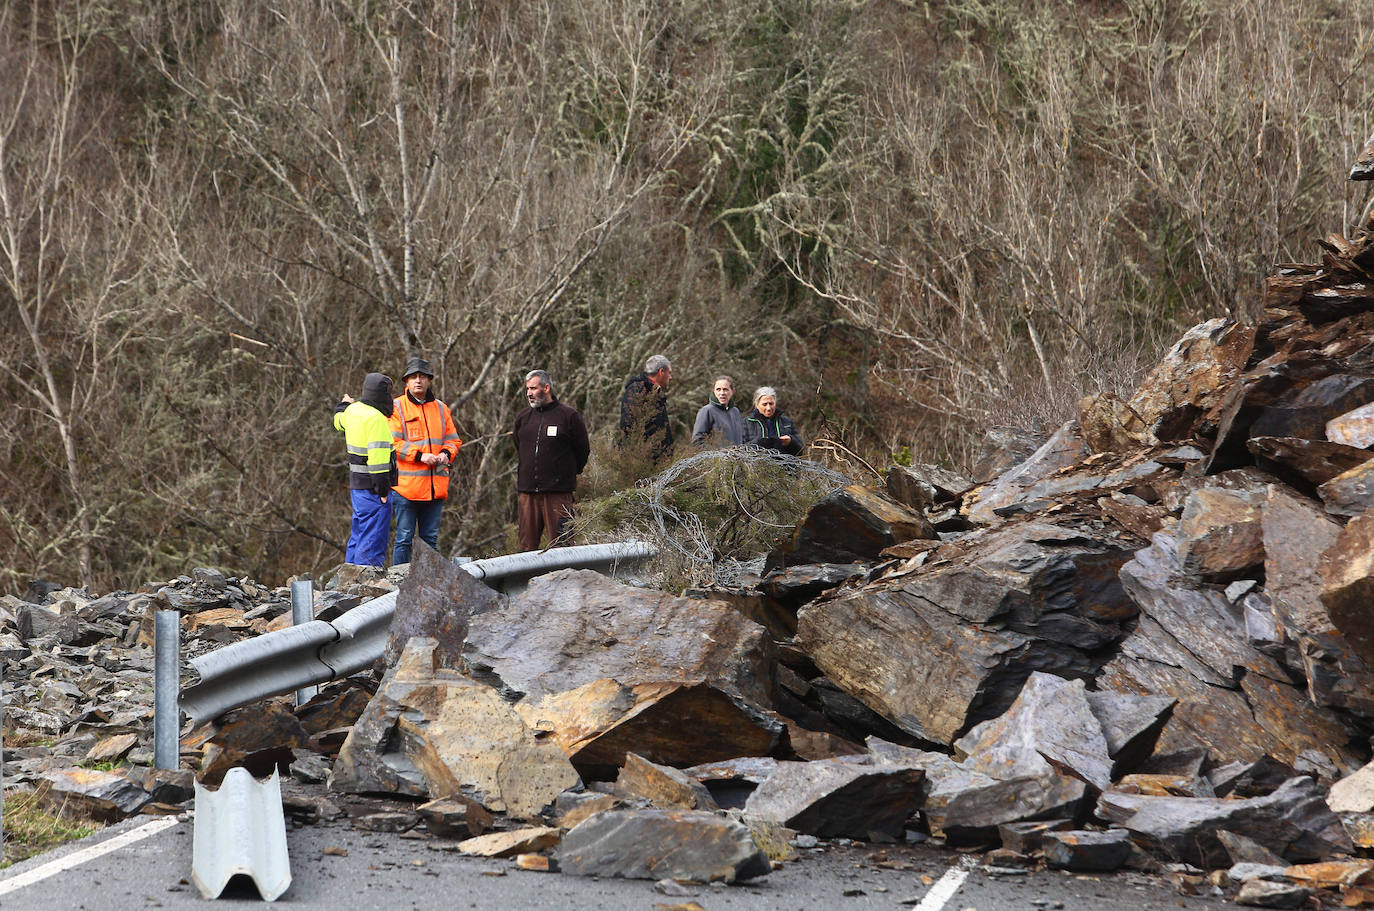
point(719, 416)
point(768, 427)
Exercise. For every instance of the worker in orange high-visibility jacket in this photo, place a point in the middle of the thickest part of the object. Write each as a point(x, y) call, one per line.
point(426, 443)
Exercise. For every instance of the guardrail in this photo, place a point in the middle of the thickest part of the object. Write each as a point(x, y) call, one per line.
point(319, 651)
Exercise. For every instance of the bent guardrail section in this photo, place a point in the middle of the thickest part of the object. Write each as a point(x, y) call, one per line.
point(240, 829)
point(320, 651)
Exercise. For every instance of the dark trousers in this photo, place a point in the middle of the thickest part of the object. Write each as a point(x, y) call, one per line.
point(414, 517)
point(538, 513)
point(371, 528)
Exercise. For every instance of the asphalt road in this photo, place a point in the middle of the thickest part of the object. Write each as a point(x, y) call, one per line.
point(366, 870)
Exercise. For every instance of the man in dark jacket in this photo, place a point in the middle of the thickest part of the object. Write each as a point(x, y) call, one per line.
point(552, 446)
point(644, 409)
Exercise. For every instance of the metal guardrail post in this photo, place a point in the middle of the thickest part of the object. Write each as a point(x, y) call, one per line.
point(302, 612)
point(166, 689)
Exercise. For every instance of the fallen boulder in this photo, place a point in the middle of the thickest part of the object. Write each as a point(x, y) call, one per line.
point(1294, 822)
point(662, 844)
point(573, 627)
point(845, 797)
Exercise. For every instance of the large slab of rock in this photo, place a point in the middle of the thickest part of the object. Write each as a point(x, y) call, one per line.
point(1192, 644)
point(919, 487)
point(1314, 461)
point(1192, 377)
point(1353, 793)
point(851, 525)
point(685, 845)
point(1350, 493)
point(1199, 623)
point(938, 650)
point(663, 786)
point(573, 627)
point(1108, 424)
point(256, 737)
point(599, 724)
point(1293, 822)
point(431, 732)
point(833, 798)
point(1305, 411)
point(1354, 428)
point(965, 806)
point(105, 796)
point(1297, 534)
point(1050, 726)
point(1061, 450)
point(435, 600)
point(1086, 851)
point(793, 586)
point(511, 843)
point(1131, 725)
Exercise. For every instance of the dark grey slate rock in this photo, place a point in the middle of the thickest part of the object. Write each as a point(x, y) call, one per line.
point(631, 844)
point(1131, 725)
point(1086, 851)
point(839, 798)
point(1294, 822)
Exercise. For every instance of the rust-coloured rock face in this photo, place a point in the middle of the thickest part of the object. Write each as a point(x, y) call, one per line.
point(435, 601)
point(1312, 461)
point(1191, 379)
point(1346, 571)
point(1220, 534)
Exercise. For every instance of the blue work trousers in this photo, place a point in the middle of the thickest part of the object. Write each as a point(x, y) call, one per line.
point(371, 528)
point(412, 517)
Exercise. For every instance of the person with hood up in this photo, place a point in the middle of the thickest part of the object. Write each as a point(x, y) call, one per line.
point(768, 427)
point(719, 415)
point(426, 443)
point(371, 468)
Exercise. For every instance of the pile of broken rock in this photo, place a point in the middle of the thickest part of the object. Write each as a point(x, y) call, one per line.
point(1148, 644)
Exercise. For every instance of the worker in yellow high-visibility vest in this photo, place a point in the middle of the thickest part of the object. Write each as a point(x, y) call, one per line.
point(371, 468)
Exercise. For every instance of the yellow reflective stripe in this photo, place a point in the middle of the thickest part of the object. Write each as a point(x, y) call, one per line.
point(371, 469)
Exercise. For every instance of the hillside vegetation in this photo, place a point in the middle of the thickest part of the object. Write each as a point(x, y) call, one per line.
point(916, 219)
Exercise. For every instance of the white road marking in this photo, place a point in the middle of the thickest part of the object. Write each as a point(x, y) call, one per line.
point(124, 839)
point(945, 887)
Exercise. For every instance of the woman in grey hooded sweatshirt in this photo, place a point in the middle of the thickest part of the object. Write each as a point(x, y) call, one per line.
point(719, 414)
